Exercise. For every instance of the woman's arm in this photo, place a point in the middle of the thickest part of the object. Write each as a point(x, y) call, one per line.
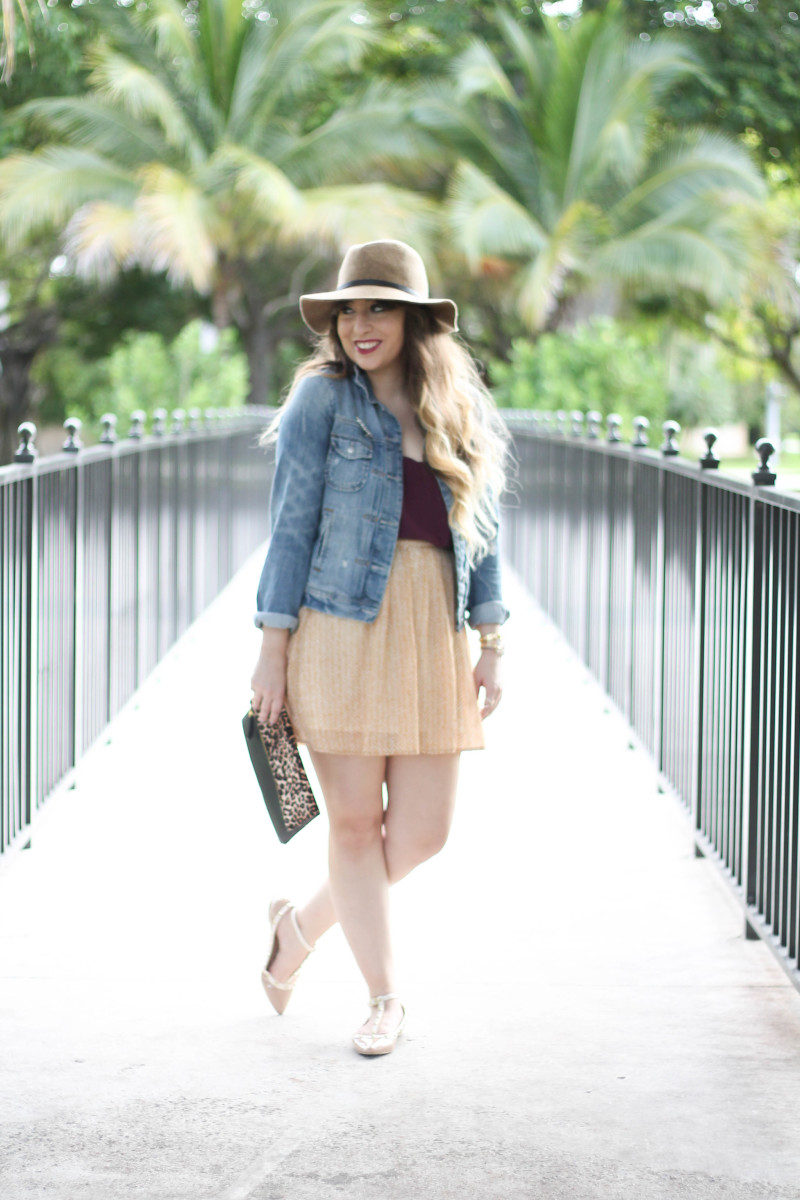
point(487, 674)
point(295, 502)
point(485, 597)
point(269, 676)
point(487, 613)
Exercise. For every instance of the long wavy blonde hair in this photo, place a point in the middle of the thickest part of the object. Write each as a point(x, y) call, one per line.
point(466, 441)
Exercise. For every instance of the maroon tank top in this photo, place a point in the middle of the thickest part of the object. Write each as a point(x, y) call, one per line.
point(424, 512)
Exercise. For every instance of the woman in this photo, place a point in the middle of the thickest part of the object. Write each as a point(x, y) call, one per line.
point(389, 457)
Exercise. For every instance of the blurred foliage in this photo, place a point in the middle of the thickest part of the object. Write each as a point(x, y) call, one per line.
point(96, 315)
point(565, 181)
point(752, 51)
point(421, 40)
point(53, 66)
point(642, 369)
point(201, 148)
point(751, 89)
point(144, 371)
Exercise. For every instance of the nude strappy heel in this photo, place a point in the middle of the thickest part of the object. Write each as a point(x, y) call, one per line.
point(372, 1042)
point(279, 1002)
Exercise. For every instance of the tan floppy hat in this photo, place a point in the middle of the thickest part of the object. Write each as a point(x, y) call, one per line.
point(385, 270)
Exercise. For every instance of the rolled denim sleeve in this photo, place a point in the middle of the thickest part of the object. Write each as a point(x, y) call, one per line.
point(485, 599)
point(295, 502)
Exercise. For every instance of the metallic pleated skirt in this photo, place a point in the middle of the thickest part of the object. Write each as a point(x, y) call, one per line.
point(401, 684)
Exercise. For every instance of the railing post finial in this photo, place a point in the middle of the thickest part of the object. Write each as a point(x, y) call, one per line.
point(593, 421)
point(669, 446)
point(109, 423)
point(561, 423)
point(178, 415)
point(709, 461)
point(26, 451)
point(194, 420)
point(763, 477)
point(641, 426)
point(73, 444)
point(613, 426)
point(138, 418)
point(577, 422)
point(159, 422)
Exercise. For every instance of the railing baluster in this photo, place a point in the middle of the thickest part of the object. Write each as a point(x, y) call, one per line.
point(685, 607)
point(81, 594)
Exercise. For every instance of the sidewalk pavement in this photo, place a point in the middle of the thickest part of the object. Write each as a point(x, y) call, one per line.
point(585, 1017)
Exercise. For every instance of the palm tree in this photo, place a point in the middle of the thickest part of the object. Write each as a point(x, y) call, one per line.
point(198, 152)
point(564, 181)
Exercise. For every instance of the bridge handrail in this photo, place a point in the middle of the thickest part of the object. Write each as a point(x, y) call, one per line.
point(107, 554)
point(678, 587)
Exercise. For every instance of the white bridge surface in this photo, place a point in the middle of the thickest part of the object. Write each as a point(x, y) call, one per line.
point(586, 1020)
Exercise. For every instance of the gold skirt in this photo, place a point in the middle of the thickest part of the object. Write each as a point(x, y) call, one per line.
point(401, 684)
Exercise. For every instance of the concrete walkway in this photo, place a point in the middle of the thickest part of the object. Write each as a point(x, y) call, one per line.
point(586, 1019)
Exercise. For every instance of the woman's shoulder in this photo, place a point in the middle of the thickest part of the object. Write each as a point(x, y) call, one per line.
point(315, 387)
point(313, 397)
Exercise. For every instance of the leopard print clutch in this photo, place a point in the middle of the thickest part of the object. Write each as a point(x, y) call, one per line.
point(280, 773)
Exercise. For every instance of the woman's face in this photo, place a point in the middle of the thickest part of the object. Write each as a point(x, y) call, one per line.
point(372, 332)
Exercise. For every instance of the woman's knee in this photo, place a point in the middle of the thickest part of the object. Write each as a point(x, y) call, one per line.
point(352, 788)
point(355, 831)
point(403, 855)
point(431, 841)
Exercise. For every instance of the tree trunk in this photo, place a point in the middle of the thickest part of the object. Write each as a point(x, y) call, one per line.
point(260, 343)
point(261, 333)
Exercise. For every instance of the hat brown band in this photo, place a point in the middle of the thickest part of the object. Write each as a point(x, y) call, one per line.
point(401, 287)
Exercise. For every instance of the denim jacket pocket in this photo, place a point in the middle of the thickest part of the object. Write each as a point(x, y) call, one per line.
point(348, 462)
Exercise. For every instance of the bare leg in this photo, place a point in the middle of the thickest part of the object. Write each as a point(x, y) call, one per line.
point(358, 884)
point(364, 861)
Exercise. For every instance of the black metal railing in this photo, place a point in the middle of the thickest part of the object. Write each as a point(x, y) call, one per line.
point(678, 588)
point(107, 554)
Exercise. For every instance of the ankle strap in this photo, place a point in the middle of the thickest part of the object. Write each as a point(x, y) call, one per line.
point(306, 945)
point(374, 1000)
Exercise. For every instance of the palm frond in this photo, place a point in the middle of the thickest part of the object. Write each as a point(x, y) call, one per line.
point(486, 221)
point(468, 131)
point(100, 239)
point(183, 76)
point(43, 189)
point(280, 62)
point(685, 166)
point(176, 225)
point(375, 127)
point(164, 20)
point(267, 192)
point(122, 81)
point(531, 55)
point(85, 121)
point(332, 218)
point(670, 259)
point(477, 70)
point(539, 286)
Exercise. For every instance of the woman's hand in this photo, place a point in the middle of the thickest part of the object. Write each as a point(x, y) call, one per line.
point(269, 677)
point(486, 674)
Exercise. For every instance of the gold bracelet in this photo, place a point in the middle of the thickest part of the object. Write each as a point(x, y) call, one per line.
point(492, 641)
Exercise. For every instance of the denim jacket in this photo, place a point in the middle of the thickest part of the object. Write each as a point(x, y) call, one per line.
point(335, 505)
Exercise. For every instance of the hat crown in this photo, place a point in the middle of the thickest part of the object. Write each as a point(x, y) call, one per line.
point(388, 263)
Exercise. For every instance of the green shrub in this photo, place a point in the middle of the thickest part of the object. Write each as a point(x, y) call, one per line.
point(144, 371)
point(605, 365)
